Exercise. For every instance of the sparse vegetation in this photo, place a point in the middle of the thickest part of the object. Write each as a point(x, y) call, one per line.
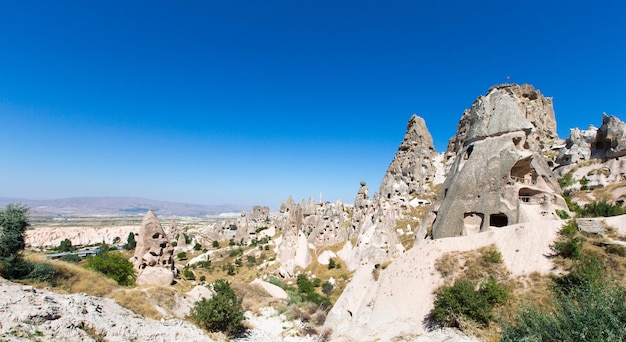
point(570, 245)
point(113, 265)
point(222, 312)
point(462, 301)
point(602, 208)
point(563, 214)
point(589, 305)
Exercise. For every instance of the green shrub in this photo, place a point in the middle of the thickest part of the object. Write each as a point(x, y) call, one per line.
point(41, 272)
point(563, 214)
point(566, 180)
point(222, 312)
point(188, 274)
point(462, 300)
point(491, 256)
point(589, 306)
point(197, 246)
point(275, 281)
point(203, 278)
point(584, 183)
point(15, 267)
point(571, 245)
point(215, 244)
point(182, 256)
point(113, 265)
point(71, 258)
point(331, 264)
point(601, 208)
point(304, 284)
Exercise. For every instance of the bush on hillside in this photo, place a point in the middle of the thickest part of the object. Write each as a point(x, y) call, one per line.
point(461, 300)
point(601, 208)
point(589, 306)
point(570, 245)
point(222, 312)
point(113, 265)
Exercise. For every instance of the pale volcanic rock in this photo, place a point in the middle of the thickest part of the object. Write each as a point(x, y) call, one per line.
point(61, 317)
point(79, 236)
point(271, 289)
point(398, 303)
point(412, 168)
point(505, 109)
point(325, 256)
point(498, 176)
point(153, 257)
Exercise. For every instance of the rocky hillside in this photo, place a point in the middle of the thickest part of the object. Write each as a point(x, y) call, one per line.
point(500, 191)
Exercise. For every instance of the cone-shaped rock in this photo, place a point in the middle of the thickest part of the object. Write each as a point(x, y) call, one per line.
point(154, 253)
point(412, 168)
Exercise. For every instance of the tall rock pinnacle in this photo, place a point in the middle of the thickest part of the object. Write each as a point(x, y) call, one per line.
point(412, 168)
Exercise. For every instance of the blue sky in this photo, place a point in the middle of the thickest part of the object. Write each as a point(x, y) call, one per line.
point(249, 102)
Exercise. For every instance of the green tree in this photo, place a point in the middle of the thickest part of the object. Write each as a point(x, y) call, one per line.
point(113, 265)
point(222, 312)
point(66, 246)
point(216, 244)
point(130, 242)
point(14, 221)
point(197, 246)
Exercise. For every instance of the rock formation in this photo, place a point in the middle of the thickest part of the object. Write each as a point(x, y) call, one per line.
point(606, 142)
point(498, 176)
point(525, 109)
point(411, 170)
point(601, 149)
point(292, 246)
point(153, 257)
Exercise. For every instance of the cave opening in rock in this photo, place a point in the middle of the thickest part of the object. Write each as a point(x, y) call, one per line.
point(498, 220)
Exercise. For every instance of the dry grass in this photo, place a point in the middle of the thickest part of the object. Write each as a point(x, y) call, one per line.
point(414, 217)
point(163, 296)
point(447, 265)
point(137, 301)
point(73, 278)
point(253, 297)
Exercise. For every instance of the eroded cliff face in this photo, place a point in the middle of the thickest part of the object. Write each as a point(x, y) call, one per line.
point(505, 109)
point(498, 176)
point(411, 171)
point(496, 179)
point(595, 155)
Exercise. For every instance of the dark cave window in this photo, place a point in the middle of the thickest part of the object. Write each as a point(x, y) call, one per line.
point(498, 220)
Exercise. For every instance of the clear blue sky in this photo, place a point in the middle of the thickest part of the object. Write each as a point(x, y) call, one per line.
point(249, 102)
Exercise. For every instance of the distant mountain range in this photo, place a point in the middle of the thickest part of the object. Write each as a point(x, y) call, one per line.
point(78, 206)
